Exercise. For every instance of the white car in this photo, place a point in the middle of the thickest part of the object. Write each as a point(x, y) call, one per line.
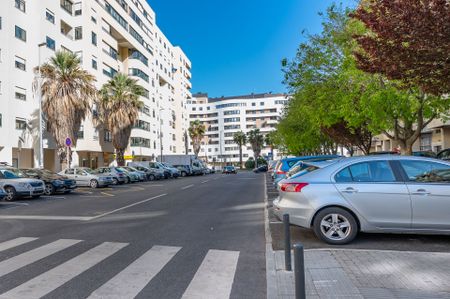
point(16, 187)
point(87, 177)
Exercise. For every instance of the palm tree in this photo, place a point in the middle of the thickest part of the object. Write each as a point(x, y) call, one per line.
point(196, 132)
point(240, 139)
point(256, 139)
point(269, 140)
point(67, 94)
point(118, 110)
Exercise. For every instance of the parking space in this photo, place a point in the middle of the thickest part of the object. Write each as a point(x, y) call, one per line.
point(401, 242)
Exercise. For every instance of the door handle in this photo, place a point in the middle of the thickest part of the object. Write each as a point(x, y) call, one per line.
point(421, 192)
point(349, 190)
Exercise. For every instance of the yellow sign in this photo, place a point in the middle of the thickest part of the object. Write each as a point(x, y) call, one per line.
point(128, 157)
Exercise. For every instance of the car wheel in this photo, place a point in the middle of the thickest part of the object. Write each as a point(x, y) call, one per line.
point(10, 193)
point(151, 177)
point(335, 226)
point(115, 181)
point(49, 189)
point(183, 174)
point(127, 180)
point(93, 184)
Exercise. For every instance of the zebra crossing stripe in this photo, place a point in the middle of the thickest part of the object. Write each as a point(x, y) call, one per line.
point(26, 258)
point(14, 243)
point(129, 282)
point(214, 277)
point(54, 278)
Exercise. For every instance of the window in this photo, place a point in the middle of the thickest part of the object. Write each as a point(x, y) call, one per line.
point(80, 133)
point(374, 171)
point(20, 33)
point(20, 63)
point(49, 16)
point(93, 19)
point(108, 136)
point(261, 103)
point(94, 64)
point(21, 95)
point(1, 120)
point(67, 5)
point(21, 124)
point(94, 38)
point(78, 33)
point(70, 171)
point(426, 172)
point(139, 141)
point(20, 4)
point(50, 43)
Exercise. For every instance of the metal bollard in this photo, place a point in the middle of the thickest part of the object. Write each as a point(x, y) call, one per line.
point(299, 272)
point(287, 243)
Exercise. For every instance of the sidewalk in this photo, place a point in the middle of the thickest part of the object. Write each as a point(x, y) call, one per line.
point(360, 273)
point(351, 273)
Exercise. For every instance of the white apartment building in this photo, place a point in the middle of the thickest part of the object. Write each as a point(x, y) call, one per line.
point(109, 36)
point(225, 116)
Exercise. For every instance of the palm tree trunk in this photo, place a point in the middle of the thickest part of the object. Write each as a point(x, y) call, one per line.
point(120, 157)
point(240, 157)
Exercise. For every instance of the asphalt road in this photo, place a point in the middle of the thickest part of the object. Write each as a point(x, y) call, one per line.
point(401, 242)
point(196, 237)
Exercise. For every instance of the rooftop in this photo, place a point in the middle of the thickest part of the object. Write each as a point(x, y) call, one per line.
point(240, 97)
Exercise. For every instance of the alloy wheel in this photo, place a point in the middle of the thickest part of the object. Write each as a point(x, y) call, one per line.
point(335, 227)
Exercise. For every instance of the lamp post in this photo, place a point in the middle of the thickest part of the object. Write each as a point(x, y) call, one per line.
point(160, 135)
point(41, 141)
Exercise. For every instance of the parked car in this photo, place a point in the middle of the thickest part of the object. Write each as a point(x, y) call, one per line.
point(393, 194)
point(229, 169)
point(142, 176)
point(157, 165)
point(285, 165)
point(16, 187)
point(444, 155)
point(131, 176)
point(174, 172)
point(185, 170)
point(2, 193)
point(54, 183)
point(428, 154)
point(119, 176)
point(260, 169)
point(151, 173)
point(85, 176)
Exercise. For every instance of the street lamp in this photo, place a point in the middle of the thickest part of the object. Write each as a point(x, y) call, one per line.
point(41, 141)
point(160, 135)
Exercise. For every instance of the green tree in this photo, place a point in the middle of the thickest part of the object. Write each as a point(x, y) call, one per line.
point(67, 93)
point(118, 110)
point(256, 140)
point(196, 133)
point(240, 139)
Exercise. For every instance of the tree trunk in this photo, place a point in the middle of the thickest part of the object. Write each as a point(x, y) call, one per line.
point(240, 157)
point(120, 157)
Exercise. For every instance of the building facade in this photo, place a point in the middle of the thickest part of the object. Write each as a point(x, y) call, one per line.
point(109, 36)
point(225, 116)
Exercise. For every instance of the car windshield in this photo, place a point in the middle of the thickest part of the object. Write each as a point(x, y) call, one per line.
point(8, 174)
point(121, 169)
point(88, 170)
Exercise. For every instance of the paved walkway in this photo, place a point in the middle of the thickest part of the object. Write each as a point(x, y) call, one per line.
point(371, 274)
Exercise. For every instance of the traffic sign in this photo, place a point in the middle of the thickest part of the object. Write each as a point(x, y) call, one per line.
point(68, 141)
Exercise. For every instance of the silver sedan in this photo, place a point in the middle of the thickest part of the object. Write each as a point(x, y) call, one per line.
point(394, 194)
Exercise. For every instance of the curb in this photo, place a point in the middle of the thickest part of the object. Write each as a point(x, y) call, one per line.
point(271, 274)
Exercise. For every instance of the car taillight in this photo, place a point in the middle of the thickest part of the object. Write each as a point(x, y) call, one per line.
point(293, 187)
point(281, 172)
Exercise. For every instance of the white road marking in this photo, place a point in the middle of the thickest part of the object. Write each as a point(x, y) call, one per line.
point(15, 242)
point(187, 187)
point(14, 204)
point(53, 197)
point(54, 278)
point(26, 258)
point(129, 282)
point(108, 194)
point(214, 277)
point(128, 206)
point(44, 217)
point(204, 182)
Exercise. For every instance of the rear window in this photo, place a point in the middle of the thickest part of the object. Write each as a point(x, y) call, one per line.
point(305, 170)
point(291, 163)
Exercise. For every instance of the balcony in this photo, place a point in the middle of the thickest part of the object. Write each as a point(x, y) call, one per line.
point(71, 8)
point(66, 30)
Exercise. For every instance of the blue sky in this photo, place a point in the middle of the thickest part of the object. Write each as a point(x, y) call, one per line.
point(236, 46)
